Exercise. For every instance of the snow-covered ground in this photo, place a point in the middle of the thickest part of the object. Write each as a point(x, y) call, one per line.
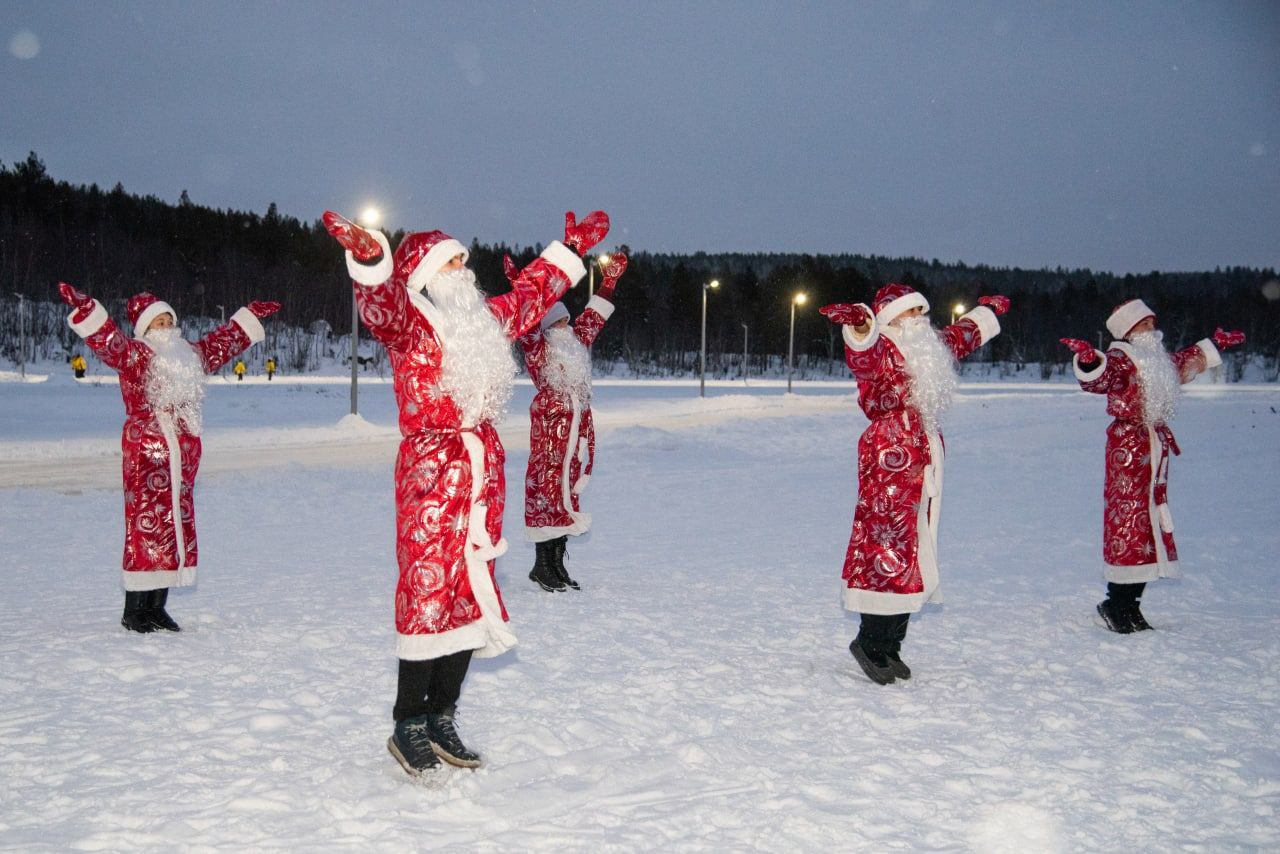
point(698, 693)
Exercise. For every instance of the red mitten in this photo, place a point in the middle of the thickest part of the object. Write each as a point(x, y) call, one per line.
point(611, 272)
point(353, 238)
point(263, 308)
point(509, 268)
point(81, 302)
point(997, 303)
point(846, 314)
point(1083, 349)
point(581, 236)
point(1226, 339)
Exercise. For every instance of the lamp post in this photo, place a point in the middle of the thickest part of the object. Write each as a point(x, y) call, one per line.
point(591, 274)
point(956, 311)
point(796, 300)
point(222, 315)
point(702, 358)
point(745, 330)
point(22, 336)
point(368, 218)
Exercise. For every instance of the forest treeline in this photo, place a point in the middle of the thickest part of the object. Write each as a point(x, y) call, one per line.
point(112, 244)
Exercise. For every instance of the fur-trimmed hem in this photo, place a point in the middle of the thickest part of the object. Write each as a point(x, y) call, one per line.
point(157, 579)
point(600, 306)
point(877, 602)
point(565, 260)
point(987, 320)
point(474, 636)
point(581, 525)
point(1212, 358)
point(376, 273)
point(1089, 376)
point(1141, 573)
point(856, 344)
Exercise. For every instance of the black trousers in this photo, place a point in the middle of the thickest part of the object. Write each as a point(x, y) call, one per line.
point(888, 630)
point(431, 686)
point(1125, 594)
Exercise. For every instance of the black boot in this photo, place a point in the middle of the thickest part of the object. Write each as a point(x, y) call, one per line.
point(897, 634)
point(561, 544)
point(446, 742)
point(544, 571)
point(1115, 609)
point(158, 615)
point(137, 614)
point(410, 744)
point(1136, 620)
point(869, 649)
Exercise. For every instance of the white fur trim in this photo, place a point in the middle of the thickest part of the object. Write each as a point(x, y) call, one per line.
point(906, 302)
point(372, 274)
point(851, 339)
point(565, 260)
point(150, 313)
point(91, 324)
point(157, 579)
point(1212, 358)
point(252, 326)
point(600, 306)
point(558, 311)
point(437, 256)
point(1089, 376)
point(1127, 316)
point(877, 602)
point(581, 485)
point(1141, 573)
point(987, 320)
point(175, 488)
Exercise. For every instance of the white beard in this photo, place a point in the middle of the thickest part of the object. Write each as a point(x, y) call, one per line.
point(568, 368)
point(932, 368)
point(174, 384)
point(1156, 377)
point(477, 369)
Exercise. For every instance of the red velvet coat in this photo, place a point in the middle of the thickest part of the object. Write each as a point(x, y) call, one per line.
point(159, 462)
point(1136, 488)
point(450, 487)
point(562, 438)
point(891, 565)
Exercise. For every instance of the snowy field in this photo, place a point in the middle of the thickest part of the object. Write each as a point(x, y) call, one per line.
point(698, 694)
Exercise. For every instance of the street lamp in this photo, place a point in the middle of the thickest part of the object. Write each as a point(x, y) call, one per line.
point(591, 274)
point(22, 336)
point(956, 311)
point(745, 330)
point(702, 358)
point(222, 315)
point(798, 299)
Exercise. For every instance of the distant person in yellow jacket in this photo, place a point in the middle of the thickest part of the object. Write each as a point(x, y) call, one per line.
point(271, 368)
point(239, 369)
point(78, 365)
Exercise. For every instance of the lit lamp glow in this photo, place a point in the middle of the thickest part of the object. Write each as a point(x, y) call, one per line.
point(797, 299)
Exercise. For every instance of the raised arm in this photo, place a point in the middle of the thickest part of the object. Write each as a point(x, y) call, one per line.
point(1204, 354)
point(533, 345)
point(600, 307)
point(975, 328)
point(864, 346)
point(235, 336)
point(1098, 372)
point(537, 287)
point(89, 320)
point(384, 303)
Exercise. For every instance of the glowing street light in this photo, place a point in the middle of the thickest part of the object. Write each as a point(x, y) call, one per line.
point(369, 218)
point(603, 260)
point(956, 311)
point(702, 358)
point(798, 299)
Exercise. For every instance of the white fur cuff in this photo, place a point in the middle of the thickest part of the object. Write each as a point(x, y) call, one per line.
point(252, 326)
point(988, 322)
point(1089, 376)
point(372, 274)
point(600, 306)
point(1212, 358)
point(91, 324)
point(851, 339)
point(566, 260)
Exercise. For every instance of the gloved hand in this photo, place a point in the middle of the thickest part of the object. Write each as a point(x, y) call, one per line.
point(846, 313)
point(997, 303)
point(81, 302)
point(581, 236)
point(1081, 348)
point(263, 308)
point(509, 268)
point(611, 272)
point(353, 238)
point(1225, 339)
